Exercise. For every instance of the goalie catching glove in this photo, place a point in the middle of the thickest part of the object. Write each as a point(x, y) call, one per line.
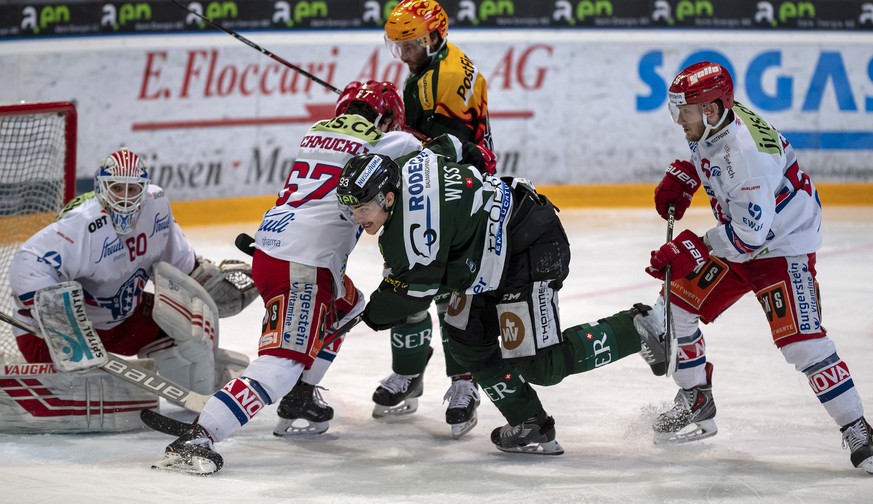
point(229, 284)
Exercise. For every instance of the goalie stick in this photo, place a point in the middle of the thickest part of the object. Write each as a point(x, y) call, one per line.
point(671, 350)
point(260, 49)
point(136, 375)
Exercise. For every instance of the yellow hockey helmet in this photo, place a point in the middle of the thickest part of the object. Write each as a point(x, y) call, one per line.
point(416, 20)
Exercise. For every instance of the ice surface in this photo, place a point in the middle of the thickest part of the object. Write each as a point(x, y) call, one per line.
point(775, 442)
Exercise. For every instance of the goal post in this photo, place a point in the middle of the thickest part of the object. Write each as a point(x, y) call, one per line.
point(37, 178)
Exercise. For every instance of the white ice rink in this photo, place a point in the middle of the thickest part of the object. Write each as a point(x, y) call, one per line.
point(775, 443)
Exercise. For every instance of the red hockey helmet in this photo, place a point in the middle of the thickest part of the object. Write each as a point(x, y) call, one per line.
point(381, 96)
point(702, 83)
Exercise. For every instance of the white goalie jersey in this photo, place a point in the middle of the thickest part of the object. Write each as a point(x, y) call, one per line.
point(113, 269)
point(306, 225)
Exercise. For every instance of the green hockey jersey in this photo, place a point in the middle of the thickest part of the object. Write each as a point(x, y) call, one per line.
point(447, 228)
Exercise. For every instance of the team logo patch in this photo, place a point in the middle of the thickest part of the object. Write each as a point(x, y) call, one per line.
point(271, 326)
point(780, 316)
point(511, 330)
point(456, 304)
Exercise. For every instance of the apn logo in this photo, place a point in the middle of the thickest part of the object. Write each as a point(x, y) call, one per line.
point(302, 10)
point(48, 15)
point(120, 16)
point(489, 8)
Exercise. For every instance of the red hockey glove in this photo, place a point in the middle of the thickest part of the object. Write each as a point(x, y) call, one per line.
point(489, 160)
point(686, 252)
point(481, 157)
point(677, 188)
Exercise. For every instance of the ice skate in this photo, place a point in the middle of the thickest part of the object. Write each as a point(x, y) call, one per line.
point(303, 412)
point(463, 398)
point(535, 436)
point(858, 437)
point(649, 322)
point(398, 394)
point(691, 418)
point(192, 453)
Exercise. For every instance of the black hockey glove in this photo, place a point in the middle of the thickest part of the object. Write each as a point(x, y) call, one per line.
point(373, 325)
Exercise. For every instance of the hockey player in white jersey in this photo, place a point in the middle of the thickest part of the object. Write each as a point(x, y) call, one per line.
point(302, 246)
point(768, 230)
point(109, 243)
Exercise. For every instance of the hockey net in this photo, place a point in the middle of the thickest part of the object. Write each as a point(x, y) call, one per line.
point(37, 177)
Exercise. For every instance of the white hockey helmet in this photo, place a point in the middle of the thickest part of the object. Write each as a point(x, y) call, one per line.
point(120, 185)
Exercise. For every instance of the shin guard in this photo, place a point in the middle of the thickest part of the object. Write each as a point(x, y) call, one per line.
point(410, 343)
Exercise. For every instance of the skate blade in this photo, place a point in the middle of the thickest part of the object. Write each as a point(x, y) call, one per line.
point(694, 432)
point(197, 466)
point(299, 427)
point(867, 465)
point(458, 430)
point(547, 448)
point(407, 407)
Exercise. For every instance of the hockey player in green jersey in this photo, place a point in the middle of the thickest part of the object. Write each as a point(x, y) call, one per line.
point(444, 93)
point(499, 247)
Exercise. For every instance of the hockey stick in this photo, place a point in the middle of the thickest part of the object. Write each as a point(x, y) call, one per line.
point(163, 423)
point(260, 49)
point(245, 244)
point(136, 375)
point(671, 351)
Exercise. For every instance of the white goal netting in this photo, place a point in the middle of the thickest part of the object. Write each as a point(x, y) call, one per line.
point(37, 177)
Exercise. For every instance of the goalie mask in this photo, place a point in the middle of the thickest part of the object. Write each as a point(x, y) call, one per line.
point(380, 96)
point(120, 185)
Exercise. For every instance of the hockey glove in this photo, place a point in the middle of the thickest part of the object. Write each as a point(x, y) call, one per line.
point(685, 253)
point(676, 188)
point(374, 325)
point(482, 158)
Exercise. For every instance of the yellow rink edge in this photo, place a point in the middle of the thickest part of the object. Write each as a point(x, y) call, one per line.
point(252, 208)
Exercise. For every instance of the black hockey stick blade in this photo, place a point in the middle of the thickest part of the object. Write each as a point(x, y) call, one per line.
point(162, 423)
point(245, 243)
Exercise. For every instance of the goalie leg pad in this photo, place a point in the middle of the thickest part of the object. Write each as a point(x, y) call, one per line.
point(183, 309)
point(189, 363)
point(35, 398)
point(229, 365)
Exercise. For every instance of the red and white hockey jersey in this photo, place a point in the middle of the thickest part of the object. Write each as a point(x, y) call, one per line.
point(306, 225)
point(82, 245)
point(764, 203)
